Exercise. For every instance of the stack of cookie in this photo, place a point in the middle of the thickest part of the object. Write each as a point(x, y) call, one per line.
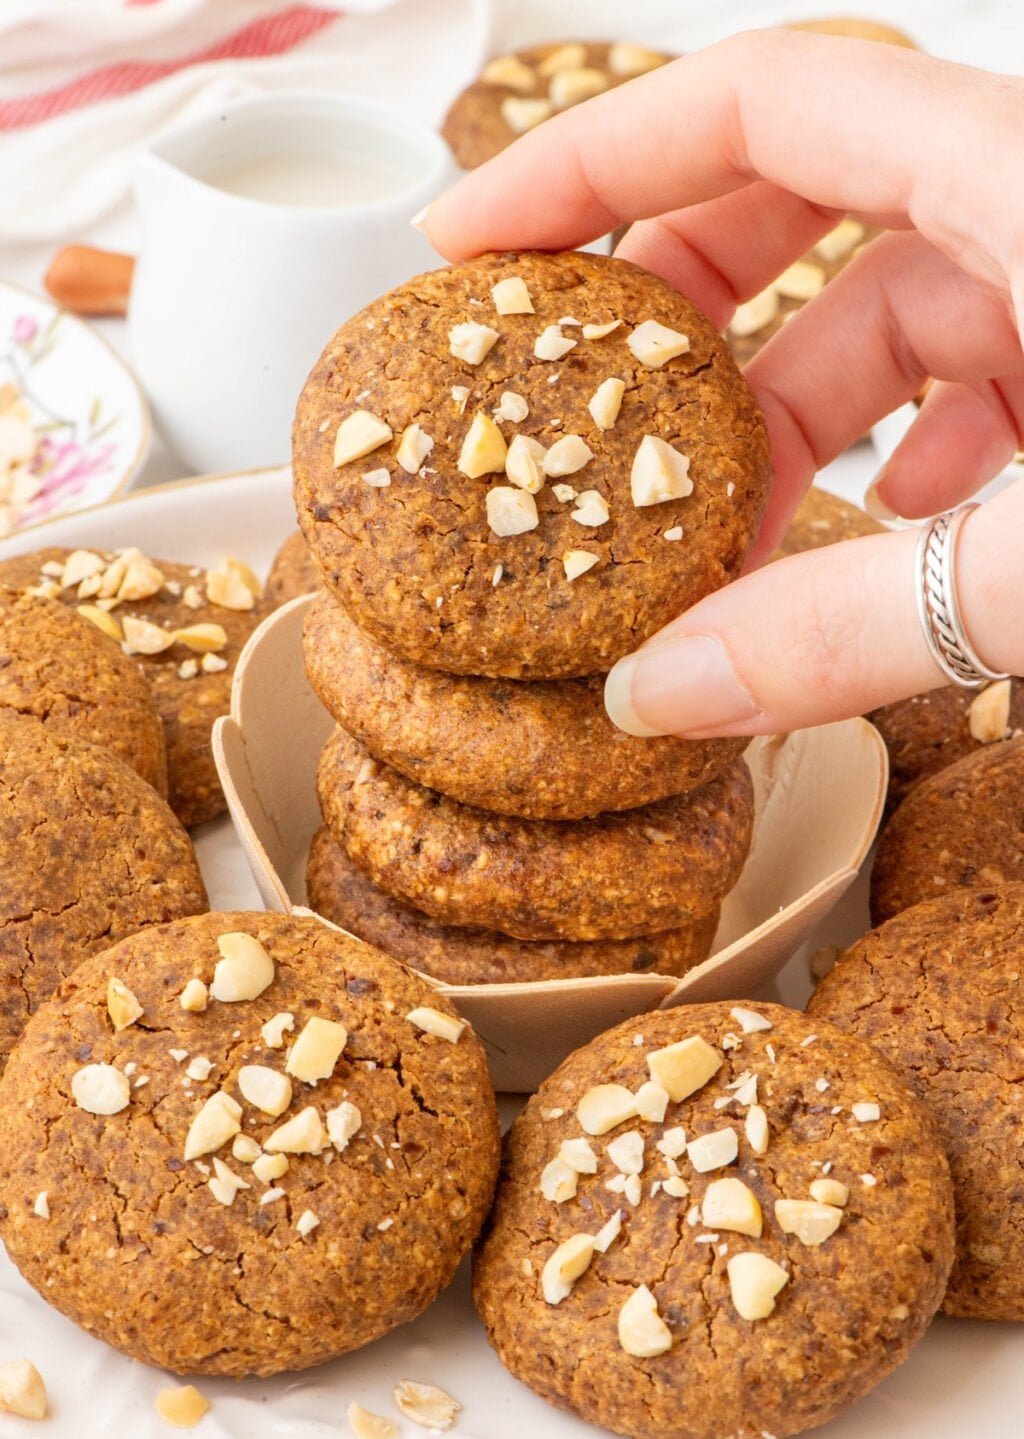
point(511, 473)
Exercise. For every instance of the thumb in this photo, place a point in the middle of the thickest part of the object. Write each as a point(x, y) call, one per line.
point(821, 636)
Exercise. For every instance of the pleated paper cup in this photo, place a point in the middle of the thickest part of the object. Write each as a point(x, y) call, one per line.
point(819, 797)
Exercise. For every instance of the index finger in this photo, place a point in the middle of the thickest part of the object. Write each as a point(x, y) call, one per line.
point(782, 106)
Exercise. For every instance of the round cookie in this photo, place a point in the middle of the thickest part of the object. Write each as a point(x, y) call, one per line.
point(338, 889)
point(928, 732)
point(469, 574)
point(293, 573)
point(59, 669)
point(938, 991)
point(91, 854)
point(962, 828)
point(514, 93)
point(188, 696)
point(293, 1269)
point(649, 1339)
point(824, 519)
point(612, 877)
point(540, 749)
point(757, 320)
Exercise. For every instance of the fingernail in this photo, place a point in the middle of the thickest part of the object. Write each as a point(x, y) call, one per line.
point(686, 686)
point(875, 505)
point(418, 221)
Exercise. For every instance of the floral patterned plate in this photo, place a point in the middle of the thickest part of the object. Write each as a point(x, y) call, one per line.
point(74, 425)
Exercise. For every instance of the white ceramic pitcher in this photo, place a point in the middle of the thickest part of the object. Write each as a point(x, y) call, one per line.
point(234, 296)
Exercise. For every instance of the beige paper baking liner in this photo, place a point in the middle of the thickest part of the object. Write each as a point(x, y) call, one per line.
point(819, 797)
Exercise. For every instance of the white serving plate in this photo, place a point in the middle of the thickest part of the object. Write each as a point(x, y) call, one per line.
point(963, 1379)
point(83, 402)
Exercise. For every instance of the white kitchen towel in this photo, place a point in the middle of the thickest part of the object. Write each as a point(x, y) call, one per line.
point(84, 83)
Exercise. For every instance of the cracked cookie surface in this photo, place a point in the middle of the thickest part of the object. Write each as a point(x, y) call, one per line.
point(963, 828)
point(59, 669)
point(138, 1248)
point(339, 890)
point(540, 749)
point(938, 991)
point(91, 854)
point(834, 1330)
point(616, 876)
point(188, 701)
point(414, 557)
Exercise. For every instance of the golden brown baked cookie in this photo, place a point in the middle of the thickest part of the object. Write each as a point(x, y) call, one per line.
point(757, 320)
point(722, 1295)
point(339, 890)
point(612, 877)
point(543, 749)
point(190, 678)
point(91, 853)
point(855, 27)
point(211, 1209)
point(937, 990)
point(464, 567)
point(824, 519)
point(59, 669)
point(962, 828)
point(515, 93)
point(293, 573)
point(927, 733)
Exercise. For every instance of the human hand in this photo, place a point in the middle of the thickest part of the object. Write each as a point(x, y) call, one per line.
point(733, 162)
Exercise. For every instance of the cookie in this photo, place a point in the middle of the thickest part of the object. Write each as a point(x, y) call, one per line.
point(758, 319)
point(750, 1256)
point(929, 732)
point(252, 1186)
point(616, 876)
point(91, 853)
point(338, 889)
point(622, 481)
point(543, 749)
point(960, 829)
point(853, 27)
point(126, 595)
point(938, 991)
point(824, 519)
point(59, 669)
point(515, 93)
point(293, 573)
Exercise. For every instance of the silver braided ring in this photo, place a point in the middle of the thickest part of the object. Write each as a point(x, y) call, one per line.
point(938, 606)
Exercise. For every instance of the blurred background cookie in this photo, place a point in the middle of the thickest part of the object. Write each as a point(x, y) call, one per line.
point(339, 890)
point(185, 626)
point(517, 92)
point(91, 854)
point(823, 519)
point(937, 990)
point(853, 27)
point(758, 319)
point(59, 669)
